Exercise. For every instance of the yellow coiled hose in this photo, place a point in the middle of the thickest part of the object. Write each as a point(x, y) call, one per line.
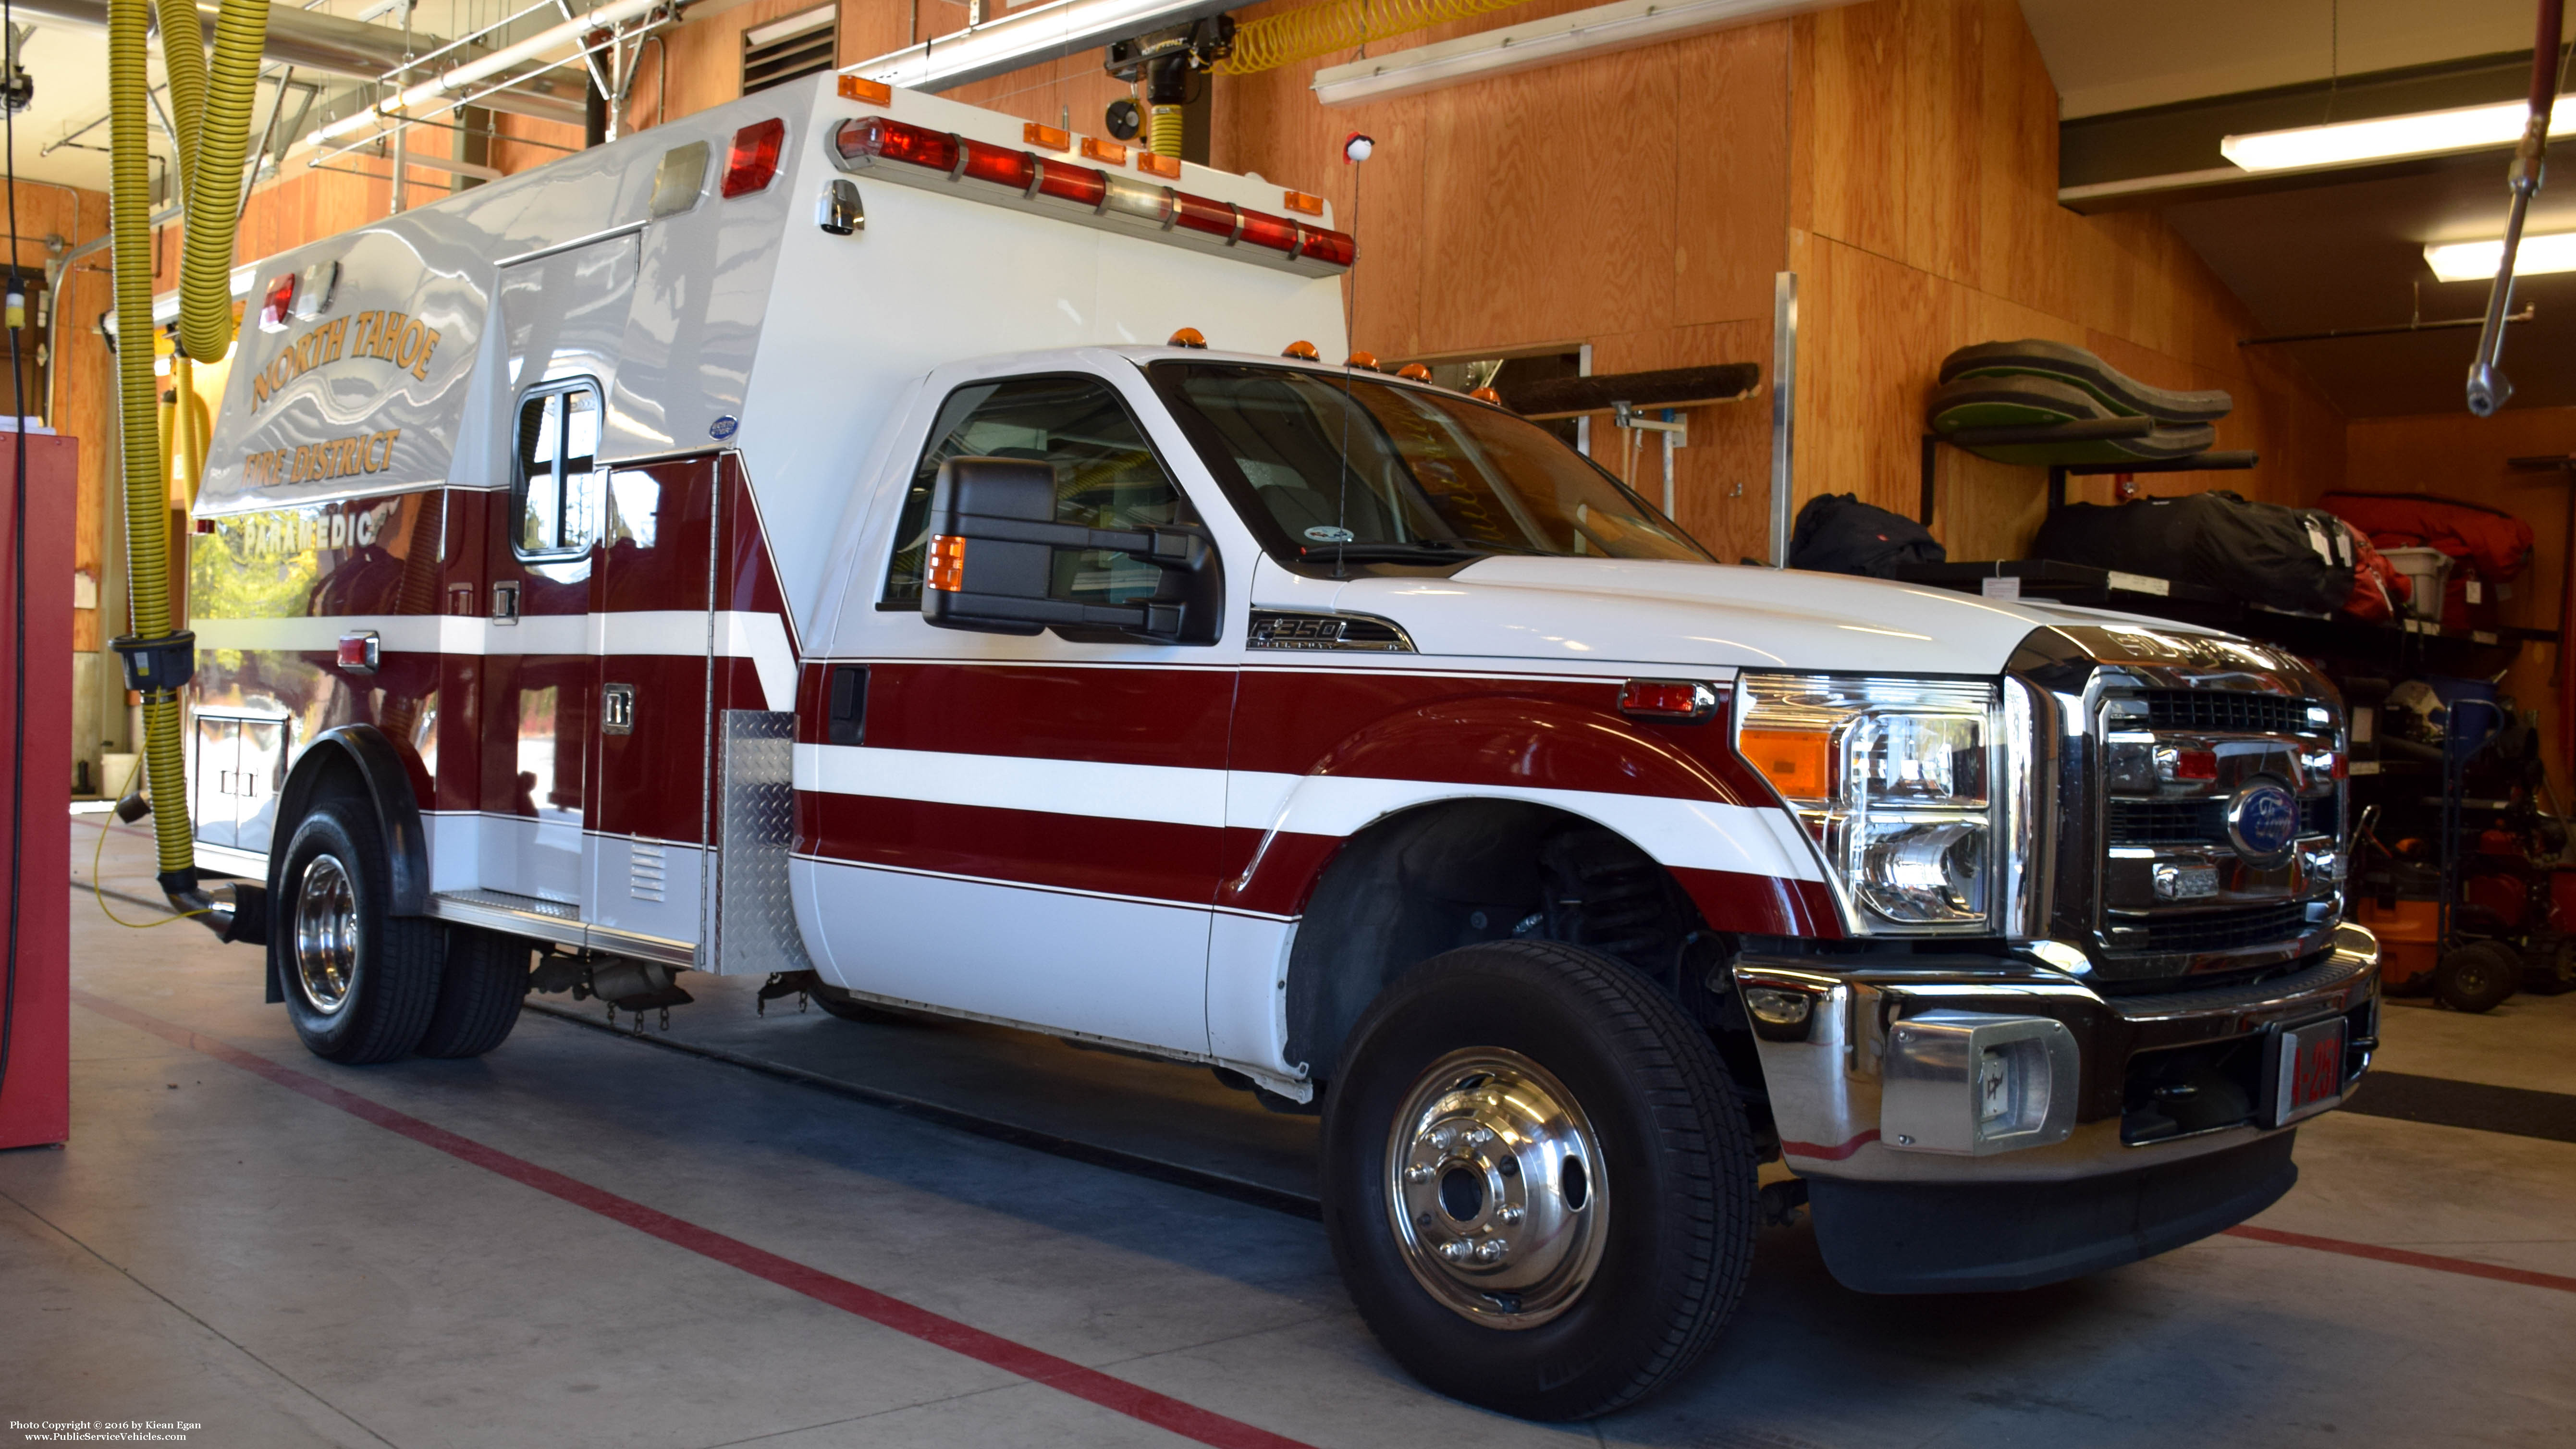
point(211, 111)
point(1163, 130)
point(1302, 34)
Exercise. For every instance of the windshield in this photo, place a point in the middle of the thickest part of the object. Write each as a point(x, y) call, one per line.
point(1352, 470)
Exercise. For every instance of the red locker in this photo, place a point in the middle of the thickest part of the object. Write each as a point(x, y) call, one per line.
point(35, 1096)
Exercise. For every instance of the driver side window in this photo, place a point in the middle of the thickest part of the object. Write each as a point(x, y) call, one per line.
point(558, 444)
point(1106, 476)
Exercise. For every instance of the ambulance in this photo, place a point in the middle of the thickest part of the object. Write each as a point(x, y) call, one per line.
point(946, 565)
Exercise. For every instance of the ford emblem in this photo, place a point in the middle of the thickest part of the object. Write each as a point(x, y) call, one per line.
point(2263, 821)
point(723, 427)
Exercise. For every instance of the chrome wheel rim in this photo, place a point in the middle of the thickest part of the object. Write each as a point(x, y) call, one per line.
point(1495, 1189)
point(326, 934)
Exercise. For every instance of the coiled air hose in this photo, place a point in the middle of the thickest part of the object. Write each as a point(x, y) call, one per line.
point(211, 113)
point(1163, 130)
point(1330, 25)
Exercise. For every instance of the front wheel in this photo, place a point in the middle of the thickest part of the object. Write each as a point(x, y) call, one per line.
point(1538, 1181)
point(361, 983)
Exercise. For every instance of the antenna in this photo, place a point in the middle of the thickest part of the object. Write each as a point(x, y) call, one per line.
point(1356, 148)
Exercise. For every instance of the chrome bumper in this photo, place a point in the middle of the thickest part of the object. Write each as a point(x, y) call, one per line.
point(1856, 1059)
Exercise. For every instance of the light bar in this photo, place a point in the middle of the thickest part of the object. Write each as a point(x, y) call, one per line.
point(2383, 138)
point(2477, 261)
point(1601, 29)
point(1025, 37)
point(921, 156)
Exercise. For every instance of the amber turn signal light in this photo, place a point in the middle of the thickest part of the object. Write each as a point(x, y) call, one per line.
point(947, 563)
point(1798, 763)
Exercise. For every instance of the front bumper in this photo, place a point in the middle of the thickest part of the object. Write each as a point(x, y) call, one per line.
point(1847, 1101)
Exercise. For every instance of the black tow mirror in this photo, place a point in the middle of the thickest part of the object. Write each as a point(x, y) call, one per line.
point(990, 565)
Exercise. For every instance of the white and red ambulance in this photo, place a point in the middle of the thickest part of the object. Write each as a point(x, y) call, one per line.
point(810, 539)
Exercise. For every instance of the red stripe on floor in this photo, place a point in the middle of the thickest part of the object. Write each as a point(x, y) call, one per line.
point(2466, 1267)
point(1091, 1385)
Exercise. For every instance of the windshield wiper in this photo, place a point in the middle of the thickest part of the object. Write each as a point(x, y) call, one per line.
point(1416, 551)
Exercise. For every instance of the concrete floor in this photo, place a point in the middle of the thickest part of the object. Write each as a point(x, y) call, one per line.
point(284, 1252)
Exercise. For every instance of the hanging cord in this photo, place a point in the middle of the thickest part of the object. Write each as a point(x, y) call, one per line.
point(98, 856)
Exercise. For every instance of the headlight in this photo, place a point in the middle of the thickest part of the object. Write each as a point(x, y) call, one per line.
point(1895, 780)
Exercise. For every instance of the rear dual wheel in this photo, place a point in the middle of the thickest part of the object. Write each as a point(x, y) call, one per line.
point(364, 985)
point(1538, 1181)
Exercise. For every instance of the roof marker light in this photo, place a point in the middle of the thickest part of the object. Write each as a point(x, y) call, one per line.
point(1361, 359)
point(1107, 152)
point(933, 158)
point(1188, 337)
point(1414, 372)
point(1046, 138)
point(278, 304)
point(1302, 351)
point(752, 163)
point(1304, 205)
point(874, 93)
point(1486, 395)
point(1167, 167)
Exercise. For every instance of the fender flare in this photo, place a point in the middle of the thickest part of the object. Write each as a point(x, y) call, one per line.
point(388, 783)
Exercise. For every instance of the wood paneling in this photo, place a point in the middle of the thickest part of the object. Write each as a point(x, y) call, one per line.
point(83, 403)
point(1922, 186)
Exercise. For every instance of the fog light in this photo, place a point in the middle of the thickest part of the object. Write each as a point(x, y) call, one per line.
point(1778, 1015)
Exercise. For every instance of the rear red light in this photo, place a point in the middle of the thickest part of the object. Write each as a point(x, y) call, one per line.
point(278, 304)
point(1078, 184)
point(358, 652)
point(1677, 701)
point(1215, 218)
point(752, 163)
point(998, 165)
point(1275, 232)
point(2195, 765)
point(1327, 246)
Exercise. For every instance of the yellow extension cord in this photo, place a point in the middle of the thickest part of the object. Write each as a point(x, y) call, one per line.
point(98, 857)
point(1320, 29)
point(211, 112)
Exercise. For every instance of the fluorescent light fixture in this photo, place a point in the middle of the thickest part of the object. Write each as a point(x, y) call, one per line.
point(1595, 31)
point(2477, 261)
point(1025, 37)
point(2385, 138)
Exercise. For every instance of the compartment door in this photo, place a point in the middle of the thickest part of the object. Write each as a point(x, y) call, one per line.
point(563, 318)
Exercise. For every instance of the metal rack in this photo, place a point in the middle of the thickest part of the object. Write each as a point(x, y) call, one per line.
point(2087, 431)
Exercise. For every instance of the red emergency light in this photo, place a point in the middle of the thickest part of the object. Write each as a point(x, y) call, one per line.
point(753, 159)
point(279, 304)
point(872, 139)
point(1679, 701)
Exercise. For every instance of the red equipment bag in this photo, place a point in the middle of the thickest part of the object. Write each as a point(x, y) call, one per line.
point(2377, 587)
point(2495, 543)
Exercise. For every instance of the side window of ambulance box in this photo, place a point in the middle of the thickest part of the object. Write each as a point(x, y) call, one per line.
point(1106, 476)
point(551, 499)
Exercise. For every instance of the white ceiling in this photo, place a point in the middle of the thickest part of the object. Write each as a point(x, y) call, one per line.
point(2120, 55)
point(69, 66)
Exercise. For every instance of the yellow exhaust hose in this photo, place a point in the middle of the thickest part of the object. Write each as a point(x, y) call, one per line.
point(212, 110)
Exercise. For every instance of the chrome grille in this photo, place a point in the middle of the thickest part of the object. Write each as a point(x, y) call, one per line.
point(2230, 710)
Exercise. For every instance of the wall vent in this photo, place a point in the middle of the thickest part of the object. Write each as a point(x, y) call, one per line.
point(783, 50)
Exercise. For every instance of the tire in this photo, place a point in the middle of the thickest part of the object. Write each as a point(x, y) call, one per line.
point(1651, 1242)
point(485, 980)
point(361, 983)
point(836, 1002)
point(2477, 977)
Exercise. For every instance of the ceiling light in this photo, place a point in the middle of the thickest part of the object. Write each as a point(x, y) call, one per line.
point(2476, 261)
point(2424, 133)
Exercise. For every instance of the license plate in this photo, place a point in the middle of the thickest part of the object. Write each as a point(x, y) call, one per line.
point(2307, 1069)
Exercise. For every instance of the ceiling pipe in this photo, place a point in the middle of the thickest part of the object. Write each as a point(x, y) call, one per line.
point(310, 40)
point(1025, 37)
point(444, 87)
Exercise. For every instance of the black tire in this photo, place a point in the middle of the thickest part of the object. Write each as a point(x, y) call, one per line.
point(836, 1002)
point(1676, 1179)
point(2477, 977)
point(478, 994)
point(360, 982)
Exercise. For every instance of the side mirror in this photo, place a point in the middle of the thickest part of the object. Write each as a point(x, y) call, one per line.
point(990, 566)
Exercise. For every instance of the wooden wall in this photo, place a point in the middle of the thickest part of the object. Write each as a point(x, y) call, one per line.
point(1636, 201)
point(1923, 218)
point(84, 401)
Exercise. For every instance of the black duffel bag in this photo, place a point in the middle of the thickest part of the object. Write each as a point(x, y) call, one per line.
point(1836, 533)
point(2298, 559)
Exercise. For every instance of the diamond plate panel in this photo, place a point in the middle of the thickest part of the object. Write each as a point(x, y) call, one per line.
point(755, 918)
